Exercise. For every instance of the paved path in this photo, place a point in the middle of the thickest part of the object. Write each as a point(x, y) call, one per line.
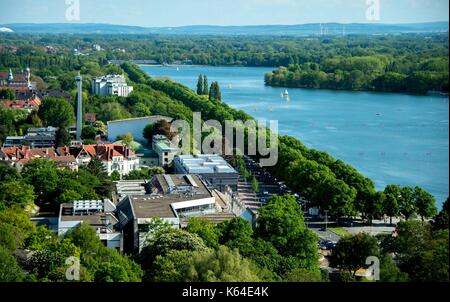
point(317, 227)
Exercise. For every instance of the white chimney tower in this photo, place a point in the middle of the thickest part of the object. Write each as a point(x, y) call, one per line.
point(79, 107)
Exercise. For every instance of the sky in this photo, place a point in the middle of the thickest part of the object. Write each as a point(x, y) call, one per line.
point(171, 13)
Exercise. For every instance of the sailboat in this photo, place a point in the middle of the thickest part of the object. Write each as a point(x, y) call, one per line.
point(285, 93)
point(178, 69)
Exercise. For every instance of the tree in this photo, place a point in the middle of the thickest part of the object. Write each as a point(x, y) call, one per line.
point(127, 139)
point(205, 230)
point(373, 205)
point(96, 167)
point(281, 223)
point(441, 220)
point(104, 264)
point(88, 132)
point(112, 111)
point(115, 175)
point(200, 85)
point(144, 173)
point(110, 266)
point(8, 173)
point(49, 264)
point(205, 85)
point(391, 207)
point(15, 227)
point(20, 220)
point(406, 202)
point(175, 240)
point(389, 271)
point(161, 242)
point(351, 252)
point(255, 184)
point(7, 94)
point(56, 112)
point(221, 265)
point(16, 193)
point(236, 230)
point(42, 174)
point(421, 252)
point(424, 203)
point(303, 275)
point(214, 92)
point(62, 137)
point(10, 271)
point(160, 127)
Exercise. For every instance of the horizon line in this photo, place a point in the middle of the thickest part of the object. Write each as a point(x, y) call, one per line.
point(217, 25)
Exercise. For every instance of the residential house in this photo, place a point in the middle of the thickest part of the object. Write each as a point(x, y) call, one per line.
point(18, 156)
point(115, 157)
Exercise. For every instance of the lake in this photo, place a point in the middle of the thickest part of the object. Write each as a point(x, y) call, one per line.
point(390, 138)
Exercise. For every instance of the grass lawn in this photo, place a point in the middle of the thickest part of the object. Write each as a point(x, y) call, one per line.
point(339, 231)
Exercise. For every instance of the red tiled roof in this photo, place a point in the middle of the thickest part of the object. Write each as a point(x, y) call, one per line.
point(32, 102)
point(15, 88)
point(67, 154)
point(17, 77)
point(105, 151)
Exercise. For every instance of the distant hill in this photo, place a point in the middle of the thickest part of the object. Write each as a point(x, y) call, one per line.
point(278, 30)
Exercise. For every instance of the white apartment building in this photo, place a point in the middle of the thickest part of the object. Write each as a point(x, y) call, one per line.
point(111, 84)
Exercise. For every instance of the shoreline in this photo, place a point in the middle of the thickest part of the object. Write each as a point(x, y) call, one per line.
point(380, 93)
point(430, 93)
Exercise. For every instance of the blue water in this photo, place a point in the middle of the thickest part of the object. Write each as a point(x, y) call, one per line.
point(390, 138)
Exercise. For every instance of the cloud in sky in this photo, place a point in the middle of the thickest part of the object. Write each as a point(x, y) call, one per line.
point(222, 12)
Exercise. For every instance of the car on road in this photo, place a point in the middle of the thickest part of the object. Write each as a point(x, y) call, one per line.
point(326, 244)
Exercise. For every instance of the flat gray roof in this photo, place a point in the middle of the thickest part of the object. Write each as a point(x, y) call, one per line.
point(146, 207)
point(204, 163)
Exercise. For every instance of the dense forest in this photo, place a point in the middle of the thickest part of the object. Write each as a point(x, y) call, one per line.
point(410, 73)
point(415, 63)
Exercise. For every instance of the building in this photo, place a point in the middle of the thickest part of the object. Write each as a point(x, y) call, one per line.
point(147, 157)
point(134, 126)
point(164, 149)
point(53, 93)
point(124, 188)
point(8, 80)
point(115, 157)
point(36, 138)
point(111, 84)
point(24, 99)
point(99, 214)
point(171, 198)
point(212, 168)
point(18, 156)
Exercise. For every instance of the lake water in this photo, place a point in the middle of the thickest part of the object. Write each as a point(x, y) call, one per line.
point(390, 138)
